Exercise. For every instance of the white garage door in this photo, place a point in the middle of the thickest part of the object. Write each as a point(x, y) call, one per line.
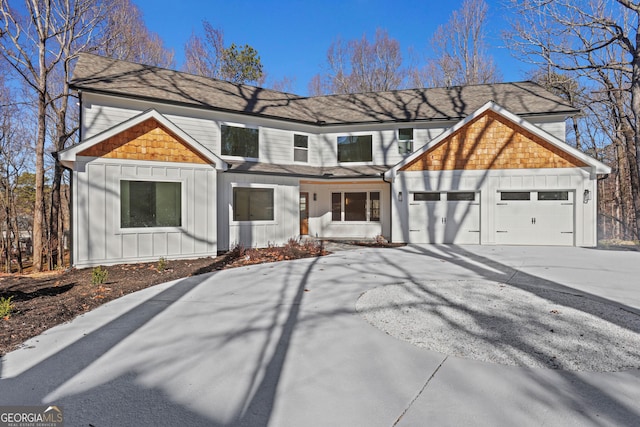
point(444, 217)
point(535, 218)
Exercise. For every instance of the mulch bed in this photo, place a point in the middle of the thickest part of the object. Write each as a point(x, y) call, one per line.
point(41, 301)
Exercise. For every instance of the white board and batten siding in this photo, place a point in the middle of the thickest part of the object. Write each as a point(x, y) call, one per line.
point(98, 237)
point(286, 222)
point(571, 221)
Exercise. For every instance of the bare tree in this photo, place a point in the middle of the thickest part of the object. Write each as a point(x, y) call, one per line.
point(36, 44)
point(597, 41)
point(125, 36)
point(460, 48)
point(13, 162)
point(361, 66)
point(210, 58)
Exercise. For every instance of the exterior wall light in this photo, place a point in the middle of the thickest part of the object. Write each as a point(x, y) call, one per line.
point(400, 196)
point(587, 196)
point(315, 196)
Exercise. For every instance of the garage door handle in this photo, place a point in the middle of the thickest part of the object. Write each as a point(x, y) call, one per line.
point(501, 231)
point(566, 232)
point(502, 204)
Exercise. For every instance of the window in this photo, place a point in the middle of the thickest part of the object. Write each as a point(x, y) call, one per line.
point(300, 148)
point(355, 206)
point(355, 148)
point(461, 196)
point(515, 195)
point(150, 204)
point(358, 206)
point(237, 141)
point(426, 197)
point(374, 206)
point(553, 195)
point(336, 206)
point(253, 204)
point(405, 141)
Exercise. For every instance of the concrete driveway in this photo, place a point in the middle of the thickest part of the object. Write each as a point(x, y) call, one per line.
point(282, 345)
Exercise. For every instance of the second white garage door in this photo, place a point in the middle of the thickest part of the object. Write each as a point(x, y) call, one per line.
point(444, 217)
point(535, 218)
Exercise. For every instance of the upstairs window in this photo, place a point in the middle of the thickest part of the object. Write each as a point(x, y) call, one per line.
point(355, 148)
point(150, 204)
point(405, 141)
point(300, 148)
point(238, 141)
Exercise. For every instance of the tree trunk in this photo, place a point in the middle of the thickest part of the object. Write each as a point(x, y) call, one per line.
point(38, 208)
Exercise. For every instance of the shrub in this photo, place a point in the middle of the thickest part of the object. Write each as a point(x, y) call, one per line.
point(99, 275)
point(162, 265)
point(6, 307)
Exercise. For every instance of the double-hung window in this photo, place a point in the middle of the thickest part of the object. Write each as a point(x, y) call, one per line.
point(300, 148)
point(239, 141)
point(150, 204)
point(355, 206)
point(405, 141)
point(355, 148)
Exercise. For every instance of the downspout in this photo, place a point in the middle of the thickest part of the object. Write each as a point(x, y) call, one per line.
point(390, 206)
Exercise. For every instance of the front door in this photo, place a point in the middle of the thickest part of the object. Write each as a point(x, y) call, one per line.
point(304, 214)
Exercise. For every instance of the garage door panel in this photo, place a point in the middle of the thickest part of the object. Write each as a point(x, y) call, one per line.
point(436, 219)
point(541, 218)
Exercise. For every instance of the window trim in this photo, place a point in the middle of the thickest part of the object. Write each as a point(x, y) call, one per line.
point(258, 221)
point(242, 126)
point(136, 230)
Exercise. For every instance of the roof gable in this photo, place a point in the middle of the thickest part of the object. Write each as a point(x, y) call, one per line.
point(148, 140)
point(147, 136)
point(494, 138)
point(490, 141)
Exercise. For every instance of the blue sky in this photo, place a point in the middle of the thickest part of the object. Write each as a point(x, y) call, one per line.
point(292, 37)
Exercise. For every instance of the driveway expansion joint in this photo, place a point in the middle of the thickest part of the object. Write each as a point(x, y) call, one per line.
point(420, 392)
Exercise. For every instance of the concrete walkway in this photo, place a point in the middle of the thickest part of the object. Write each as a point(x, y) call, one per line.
point(282, 345)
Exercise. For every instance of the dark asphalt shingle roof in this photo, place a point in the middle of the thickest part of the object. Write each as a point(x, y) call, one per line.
point(105, 75)
point(355, 171)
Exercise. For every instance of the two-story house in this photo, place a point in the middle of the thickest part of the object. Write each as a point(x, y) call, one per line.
point(181, 166)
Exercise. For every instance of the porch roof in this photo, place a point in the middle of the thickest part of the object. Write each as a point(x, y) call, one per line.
point(322, 172)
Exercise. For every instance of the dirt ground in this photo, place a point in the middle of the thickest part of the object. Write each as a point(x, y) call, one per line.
point(41, 301)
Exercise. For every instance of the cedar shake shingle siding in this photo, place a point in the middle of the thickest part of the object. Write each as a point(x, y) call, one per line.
point(492, 142)
point(145, 141)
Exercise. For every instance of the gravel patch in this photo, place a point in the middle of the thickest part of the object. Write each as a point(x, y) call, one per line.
point(499, 323)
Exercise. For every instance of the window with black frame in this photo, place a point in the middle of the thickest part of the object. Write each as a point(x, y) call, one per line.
point(355, 148)
point(253, 204)
point(150, 204)
point(239, 141)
